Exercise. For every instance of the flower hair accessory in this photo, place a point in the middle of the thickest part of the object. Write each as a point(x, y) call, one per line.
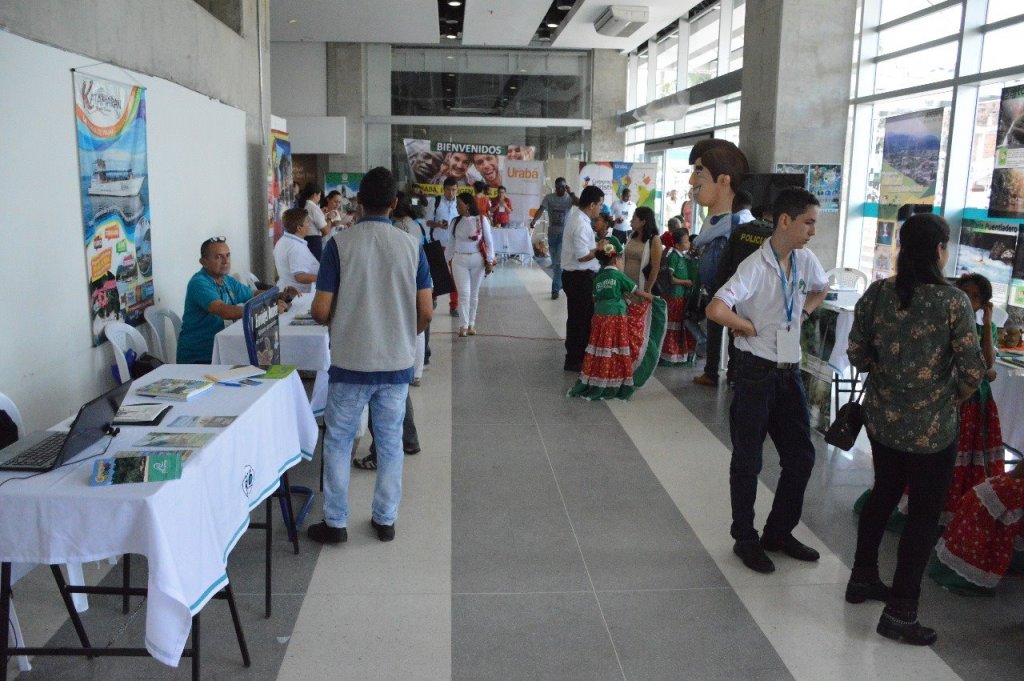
point(610, 246)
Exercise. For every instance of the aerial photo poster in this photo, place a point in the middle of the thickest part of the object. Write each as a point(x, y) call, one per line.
point(910, 170)
point(1007, 198)
point(430, 162)
point(110, 124)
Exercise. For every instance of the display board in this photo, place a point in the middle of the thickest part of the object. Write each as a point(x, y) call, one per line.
point(614, 176)
point(824, 180)
point(280, 193)
point(1007, 197)
point(430, 162)
point(989, 249)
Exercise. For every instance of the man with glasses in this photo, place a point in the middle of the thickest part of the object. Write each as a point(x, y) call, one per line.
point(212, 298)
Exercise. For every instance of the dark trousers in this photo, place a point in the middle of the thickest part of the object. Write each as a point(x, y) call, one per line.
point(714, 349)
point(410, 437)
point(927, 477)
point(579, 298)
point(768, 401)
point(316, 246)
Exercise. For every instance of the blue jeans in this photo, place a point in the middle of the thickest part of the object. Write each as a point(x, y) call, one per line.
point(345, 403)
point(768, 401)
point(555, 250)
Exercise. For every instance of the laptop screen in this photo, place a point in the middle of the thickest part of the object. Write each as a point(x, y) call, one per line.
point(93, 419)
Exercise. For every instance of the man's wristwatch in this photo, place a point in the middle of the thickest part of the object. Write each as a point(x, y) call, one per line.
point(804, 315)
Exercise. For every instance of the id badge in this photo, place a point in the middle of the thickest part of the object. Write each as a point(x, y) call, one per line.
point(788, 344)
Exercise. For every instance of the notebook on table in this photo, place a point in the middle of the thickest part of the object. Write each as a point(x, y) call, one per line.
point(44, 450)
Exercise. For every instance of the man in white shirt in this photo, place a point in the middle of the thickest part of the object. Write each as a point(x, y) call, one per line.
point(672, 206)
point(772, 291)
point(578, 268)
point(622, 213)
point(445, 212)
point(295, 264)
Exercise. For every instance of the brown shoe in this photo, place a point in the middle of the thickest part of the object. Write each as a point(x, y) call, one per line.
point(704, 379)
point(462, 332)
point(471, 331)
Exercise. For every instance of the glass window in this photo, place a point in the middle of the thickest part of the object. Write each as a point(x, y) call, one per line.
point(732, 111)
point(487, 94)
point(1001, 9)
point(739, 14)
point(894, 9)
point(641, 80)
point(703, 57)
point(663, 129)
point(935, 25)
point(700, 119)
point(668, 61)
point(927, 66)
point(1002, 47)
point(983, 147)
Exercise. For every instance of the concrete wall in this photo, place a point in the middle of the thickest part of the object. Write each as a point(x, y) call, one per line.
point(299, 74)
point(346, 96)
point(797, 57)
point(608, 96)
point(179, 41)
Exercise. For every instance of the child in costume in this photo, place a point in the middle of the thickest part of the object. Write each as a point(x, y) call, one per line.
point(679, 345)
point(608, 366)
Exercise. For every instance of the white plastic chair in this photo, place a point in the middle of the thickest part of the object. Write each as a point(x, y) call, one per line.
point(847, 278)
point(157, 320)
point(247, 278)
point(122, 337)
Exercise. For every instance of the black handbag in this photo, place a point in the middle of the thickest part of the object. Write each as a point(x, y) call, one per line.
point(844, 430)
point(439, 272)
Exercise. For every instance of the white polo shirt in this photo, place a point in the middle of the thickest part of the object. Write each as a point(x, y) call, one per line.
point(291, 255)
point(622, 209)
point(756, 293)
point(578, 239)
point(446, 210)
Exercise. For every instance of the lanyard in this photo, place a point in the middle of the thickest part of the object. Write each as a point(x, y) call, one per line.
point(788, 288)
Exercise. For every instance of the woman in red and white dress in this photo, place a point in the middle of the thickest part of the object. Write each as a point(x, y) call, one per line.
point(472, 251)
point(501, 208)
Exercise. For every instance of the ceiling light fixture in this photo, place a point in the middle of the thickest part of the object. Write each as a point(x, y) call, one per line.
point(293, 21)
point(564, 6)
point(451, 21)
point(512, 87)
point(454, 3)
point(552, 24)
point(451, 36)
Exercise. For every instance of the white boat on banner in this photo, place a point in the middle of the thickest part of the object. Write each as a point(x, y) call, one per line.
point(114, 181)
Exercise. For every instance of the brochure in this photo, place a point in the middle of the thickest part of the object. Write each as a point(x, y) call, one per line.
point(135, 466)
point(189, 440)
point(279, 370)
point(148, 414)
point(202, 422)
point(234, 374)
point(180, 389)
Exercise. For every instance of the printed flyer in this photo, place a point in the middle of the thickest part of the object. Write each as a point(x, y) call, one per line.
point(110, 123)
point(280, 193)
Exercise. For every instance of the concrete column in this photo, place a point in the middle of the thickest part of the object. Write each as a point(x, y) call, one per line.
point(607, 93)
point(346, 97)
point(797, 58)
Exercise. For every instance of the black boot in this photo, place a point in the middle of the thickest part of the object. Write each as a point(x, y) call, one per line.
point(865, 584)
point(899, 622)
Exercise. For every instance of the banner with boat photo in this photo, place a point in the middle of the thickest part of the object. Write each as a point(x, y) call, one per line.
point(110, 122)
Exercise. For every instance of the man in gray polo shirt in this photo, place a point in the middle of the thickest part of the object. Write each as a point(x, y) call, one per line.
point(373, 292)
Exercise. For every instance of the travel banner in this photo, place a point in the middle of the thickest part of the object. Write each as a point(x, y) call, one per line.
point(910, 170)
point(430, 162)
point(1007, 197)
point(989, 249)
point(614, 176)
point(524, 181)
point(110, 124)
point(280, 193)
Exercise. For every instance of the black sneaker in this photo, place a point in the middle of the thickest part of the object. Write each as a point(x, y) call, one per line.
point(753, 556)
point(384, 532)
point(411, 450)
point(894, 626)
point(554, 295)
point(790, 546)
point(322, 533)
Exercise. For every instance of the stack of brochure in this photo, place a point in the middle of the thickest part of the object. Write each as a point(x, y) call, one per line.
point(180, 389)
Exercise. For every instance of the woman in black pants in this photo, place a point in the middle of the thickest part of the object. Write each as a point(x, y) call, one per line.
point(915, 335)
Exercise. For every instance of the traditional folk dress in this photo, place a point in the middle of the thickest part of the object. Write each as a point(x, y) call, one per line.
point(679, 344)
point(977, 548)
point(624, 340)
point(980, 451)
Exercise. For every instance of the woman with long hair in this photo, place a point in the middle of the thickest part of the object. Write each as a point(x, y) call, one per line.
point(469, 238)
point(648, 319)
point(914, 335)
point(309, 198)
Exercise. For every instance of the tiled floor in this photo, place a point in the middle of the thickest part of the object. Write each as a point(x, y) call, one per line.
point(548, 538)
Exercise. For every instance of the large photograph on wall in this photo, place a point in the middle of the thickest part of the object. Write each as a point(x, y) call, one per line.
point(430, 162)
point(988, 249)
point(1007, 197)
point(110, 121)
point(280, 192)
point(910, 172)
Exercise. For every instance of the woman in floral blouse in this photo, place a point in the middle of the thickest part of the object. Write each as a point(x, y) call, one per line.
point(914, 334)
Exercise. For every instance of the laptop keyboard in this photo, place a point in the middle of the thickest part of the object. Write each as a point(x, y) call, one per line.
point(42, 454)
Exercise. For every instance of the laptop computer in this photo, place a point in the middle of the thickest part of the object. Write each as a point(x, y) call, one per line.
point(44, 450)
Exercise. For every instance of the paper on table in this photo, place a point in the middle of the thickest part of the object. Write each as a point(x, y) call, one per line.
point(202, 422)
point(193, 440)
point(234, 374)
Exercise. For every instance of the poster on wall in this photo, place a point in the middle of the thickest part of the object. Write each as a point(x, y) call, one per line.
point(524, 181)
point(430, 162)
point(110, 123)
point(910, 171)
point(1007, 197)
point(614, 176)
point(280, 192)
point(348, 185)
point(1015, 295)
point(989, 249)
point(824, 180)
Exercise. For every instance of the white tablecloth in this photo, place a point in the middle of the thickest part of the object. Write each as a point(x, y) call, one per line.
point(1008, 392)
point(186, 528)
point(512, 241)
point(843, 306)
point(307, 347)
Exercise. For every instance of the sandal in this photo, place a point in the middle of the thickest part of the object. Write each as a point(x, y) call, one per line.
point(367, 463)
